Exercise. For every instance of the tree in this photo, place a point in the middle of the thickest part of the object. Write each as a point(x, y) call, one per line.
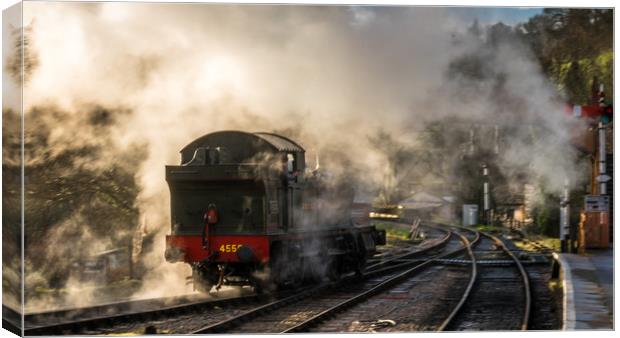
point(78, 190)
point(573, 46)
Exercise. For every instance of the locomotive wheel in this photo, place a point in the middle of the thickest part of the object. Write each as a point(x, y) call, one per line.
point(260, 285)
point(201, 282)
point(202, 279)
point(333, 270)
point(360, 267)
point(286, 267)
point(278, 266)
point(312, 270)
point(297, 278)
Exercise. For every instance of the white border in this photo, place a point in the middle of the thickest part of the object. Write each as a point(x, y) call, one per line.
point(477, 3)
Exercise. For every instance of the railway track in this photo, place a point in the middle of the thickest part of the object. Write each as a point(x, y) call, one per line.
point(403, 257)
point(132, 316)
point(302, 312)
point(501, 298)
point(470, 285)
point(462, 290)
point(397, 302)
point(300, 315)
point(41, 317)
point(401, 247)
point(88, 321)
point(481, 266)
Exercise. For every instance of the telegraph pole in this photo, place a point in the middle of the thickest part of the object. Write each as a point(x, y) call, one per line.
point(602, 151)
point(602, 160)
point(565, 219)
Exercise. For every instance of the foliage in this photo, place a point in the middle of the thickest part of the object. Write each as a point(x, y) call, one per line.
point(24, 60)
point(546, 216)
point(80, 185)
point(399, 160)
point(573, 46)
point(392, 230)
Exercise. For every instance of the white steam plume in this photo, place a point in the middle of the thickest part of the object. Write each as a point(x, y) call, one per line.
point(331, 74)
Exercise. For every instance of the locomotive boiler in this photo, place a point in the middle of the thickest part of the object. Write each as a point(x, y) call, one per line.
point(246, 211)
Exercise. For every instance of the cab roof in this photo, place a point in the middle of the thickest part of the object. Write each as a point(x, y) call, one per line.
point(242, 145)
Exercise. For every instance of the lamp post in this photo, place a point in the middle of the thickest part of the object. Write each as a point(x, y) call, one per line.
point(486, 205)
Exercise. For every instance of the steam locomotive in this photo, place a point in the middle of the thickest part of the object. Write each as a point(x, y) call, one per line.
point(246, 211)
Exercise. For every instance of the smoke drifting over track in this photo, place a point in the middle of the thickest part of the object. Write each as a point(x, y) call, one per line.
point(329, 76)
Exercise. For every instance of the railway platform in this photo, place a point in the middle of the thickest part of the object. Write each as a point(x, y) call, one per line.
point(587, 282)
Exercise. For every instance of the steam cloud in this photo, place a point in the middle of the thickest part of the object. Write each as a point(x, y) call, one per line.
point(328, 76)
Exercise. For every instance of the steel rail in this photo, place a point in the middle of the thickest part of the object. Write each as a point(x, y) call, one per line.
point(120, 308)
point(77, 326)
point(231, 322)
point(524, 276)
point(470, 285)
point(377, 260)
point(375, 290)
point(408, 263)
point(413, 253)
point(72, 313)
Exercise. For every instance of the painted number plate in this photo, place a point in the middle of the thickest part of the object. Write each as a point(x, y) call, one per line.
point(229, 247)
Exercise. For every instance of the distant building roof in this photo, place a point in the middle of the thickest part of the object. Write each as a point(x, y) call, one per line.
point(422, 200)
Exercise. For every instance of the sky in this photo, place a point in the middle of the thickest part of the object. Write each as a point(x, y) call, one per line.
point(490, 15)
